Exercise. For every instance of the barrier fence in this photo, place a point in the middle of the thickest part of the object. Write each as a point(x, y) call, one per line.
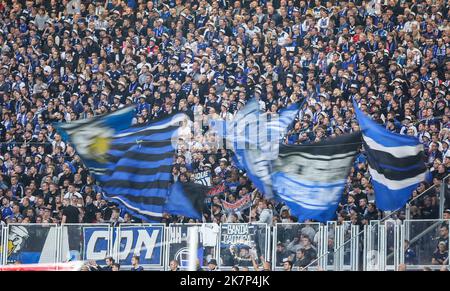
point(381, 245)
point(444, 195)
point(289, 241)
point(177, 243)
point(240, 243)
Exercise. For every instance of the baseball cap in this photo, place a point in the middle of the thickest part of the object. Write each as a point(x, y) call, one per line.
point(284, 208)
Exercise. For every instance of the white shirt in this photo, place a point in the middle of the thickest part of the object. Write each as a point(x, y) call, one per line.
point(210, 234)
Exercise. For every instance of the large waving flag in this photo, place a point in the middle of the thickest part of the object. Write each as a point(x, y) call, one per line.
point(396, 163)
point(311, 178)
point(247, 134)
point(133, 164)
point(252, 129)
point(254, 138)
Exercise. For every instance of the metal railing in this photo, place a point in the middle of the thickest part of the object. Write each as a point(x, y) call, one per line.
point(398, 235)
point(378, 246)
point(444, 197)
point(332, 246)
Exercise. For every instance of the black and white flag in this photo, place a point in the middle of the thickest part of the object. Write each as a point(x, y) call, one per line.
point(310, 178)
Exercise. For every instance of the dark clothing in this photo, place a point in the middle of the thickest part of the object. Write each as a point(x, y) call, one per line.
point(280, 256)
point(303, 262)
point(410, 257)
point(140, 268)
point(105, 268)
point(89, 213)
point(440, 257)
point(310, 254)
point(72, 214)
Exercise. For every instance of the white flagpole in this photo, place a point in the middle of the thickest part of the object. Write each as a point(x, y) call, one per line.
point(192, 248)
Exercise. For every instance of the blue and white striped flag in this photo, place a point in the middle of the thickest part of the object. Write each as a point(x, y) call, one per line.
point(396, 163)
point(133, 164)
point(311, 178)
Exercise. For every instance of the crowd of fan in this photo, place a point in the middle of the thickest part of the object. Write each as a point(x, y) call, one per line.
point(70, 60)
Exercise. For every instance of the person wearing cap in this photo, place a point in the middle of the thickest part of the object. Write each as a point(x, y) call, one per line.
point(142, 104)
point(408, 124)
point(225, 114)
point(117, 101)
point(223, 169)
point(220, 86)
point(76, 104)
point(47, 70)
point(231, 82)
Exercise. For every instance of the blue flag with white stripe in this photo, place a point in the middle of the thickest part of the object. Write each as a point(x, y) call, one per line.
point(133, 164)
point(396, 163)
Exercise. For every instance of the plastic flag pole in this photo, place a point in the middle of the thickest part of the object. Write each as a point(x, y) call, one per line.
point(192, 248)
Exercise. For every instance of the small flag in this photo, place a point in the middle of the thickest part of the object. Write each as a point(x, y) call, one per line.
point(186, 199)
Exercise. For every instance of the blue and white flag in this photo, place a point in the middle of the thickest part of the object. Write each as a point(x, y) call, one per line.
point(133, 164)
point(396, 163)
point(247, 135)
point(254, 138)
point(310, 178)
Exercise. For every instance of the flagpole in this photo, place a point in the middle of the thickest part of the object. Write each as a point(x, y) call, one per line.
point(250, 213)
point(210, 208)
point(192, 248)
point(251, 205)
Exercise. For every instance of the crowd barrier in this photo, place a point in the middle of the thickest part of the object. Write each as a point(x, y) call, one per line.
point(311, 246)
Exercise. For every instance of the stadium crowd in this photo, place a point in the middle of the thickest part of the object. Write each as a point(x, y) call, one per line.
point(67, 60)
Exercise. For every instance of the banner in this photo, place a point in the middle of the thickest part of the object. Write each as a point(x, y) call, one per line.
point(31, 244)
point(215, 191)
point(240, 242)
point(203, 178)
point(143, 241)
point(207, 243)
point(240, 205)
